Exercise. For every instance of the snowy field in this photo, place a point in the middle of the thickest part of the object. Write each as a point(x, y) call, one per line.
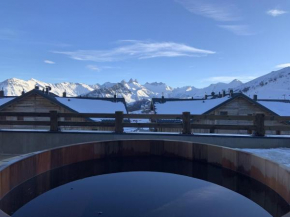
point(279, 155)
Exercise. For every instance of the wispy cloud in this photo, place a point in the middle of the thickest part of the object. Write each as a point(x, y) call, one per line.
point(94, 68)
point(243, 30)
point(276, 12)
point(284, 65)
point(49, 62)
point(7, 34)
point(211, 9)
point(138, 50)
point(227, 79)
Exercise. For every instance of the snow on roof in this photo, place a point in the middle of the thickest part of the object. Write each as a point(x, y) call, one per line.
point(192, 106)
point(92, 105)
point(280, 108)
point(5, 100)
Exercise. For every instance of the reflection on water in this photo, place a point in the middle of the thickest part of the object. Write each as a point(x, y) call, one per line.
point(142, 187)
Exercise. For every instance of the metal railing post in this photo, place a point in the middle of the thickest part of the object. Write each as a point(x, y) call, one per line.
point(119, 122)
point(186, 123)
point(53, 121)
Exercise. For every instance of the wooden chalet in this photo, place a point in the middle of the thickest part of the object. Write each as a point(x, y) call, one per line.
point(233, 104)
point(38, 101)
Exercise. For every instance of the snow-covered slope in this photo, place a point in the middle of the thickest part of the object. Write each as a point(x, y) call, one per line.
point(275, 85)
point(14, 87)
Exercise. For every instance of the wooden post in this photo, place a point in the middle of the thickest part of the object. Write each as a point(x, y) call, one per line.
point(119, 122)
point(53, 121)
point(259, 123)
point(186, 123)
point(211, 130)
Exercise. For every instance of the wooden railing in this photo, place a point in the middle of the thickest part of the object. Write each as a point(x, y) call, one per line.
point(185, 121)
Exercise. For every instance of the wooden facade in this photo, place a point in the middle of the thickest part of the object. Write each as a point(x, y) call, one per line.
point(239, 105)
point(37, 102)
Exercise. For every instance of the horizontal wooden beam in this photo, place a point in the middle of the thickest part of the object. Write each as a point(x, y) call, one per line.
point(152, 125)
point(280, 128)
point(28, 123)
point(86, 115)
point(222, 117)
point(24, 114)
point(153, 116)
point(222, 127)
point(85, 124)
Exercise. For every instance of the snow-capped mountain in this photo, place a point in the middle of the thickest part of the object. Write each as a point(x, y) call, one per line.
point(14, 87)
point(275, 85)
point(133, 91)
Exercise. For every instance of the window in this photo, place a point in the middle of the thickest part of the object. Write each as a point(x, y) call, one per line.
point(67, 118)
point(223, 113)
point(20, 118)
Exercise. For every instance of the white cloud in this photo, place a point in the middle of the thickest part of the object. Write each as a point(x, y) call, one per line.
point(211, 9)
point(227, 79)
point(283, 65)
point(276, 12)
point(137, 50)
point(94, 68)
point(49, 62)
point(243, 30)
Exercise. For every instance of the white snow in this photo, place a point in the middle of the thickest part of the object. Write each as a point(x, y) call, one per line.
point(280, 108)
point(275, 85)
point(192, 106)
point(92, 105)
point(5, 100)
point(278, 155)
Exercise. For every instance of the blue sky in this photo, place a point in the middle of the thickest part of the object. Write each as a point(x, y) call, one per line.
point(179, 42)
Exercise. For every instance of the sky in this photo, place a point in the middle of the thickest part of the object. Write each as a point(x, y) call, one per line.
point(178, 42)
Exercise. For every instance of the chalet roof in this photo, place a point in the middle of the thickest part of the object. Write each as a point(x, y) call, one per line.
point(280, 107)
point(74, 104)
point(5, 99)
point(84, 105)
point(192, 106)
point(200, 106)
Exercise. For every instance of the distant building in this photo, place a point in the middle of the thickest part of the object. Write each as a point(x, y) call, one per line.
point(45, 101)
point(233, 104)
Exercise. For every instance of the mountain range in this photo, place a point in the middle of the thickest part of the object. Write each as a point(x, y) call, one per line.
point(273, 85)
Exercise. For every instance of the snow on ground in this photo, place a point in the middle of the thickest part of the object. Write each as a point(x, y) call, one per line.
point(279, 155)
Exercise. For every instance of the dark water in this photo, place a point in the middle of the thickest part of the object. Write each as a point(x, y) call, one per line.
point(151, 187)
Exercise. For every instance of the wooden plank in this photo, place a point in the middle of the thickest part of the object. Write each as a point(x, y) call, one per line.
point(153, 116)
point(186, 123)
point(277, 118)
point(279, 128)
point(152, 125)
point(86, 115)
point(85, 124)
point(53, 121)
point(28, 123)
point(222, 117)
point(223, 127)
point(119, 122)
point(24, 114)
